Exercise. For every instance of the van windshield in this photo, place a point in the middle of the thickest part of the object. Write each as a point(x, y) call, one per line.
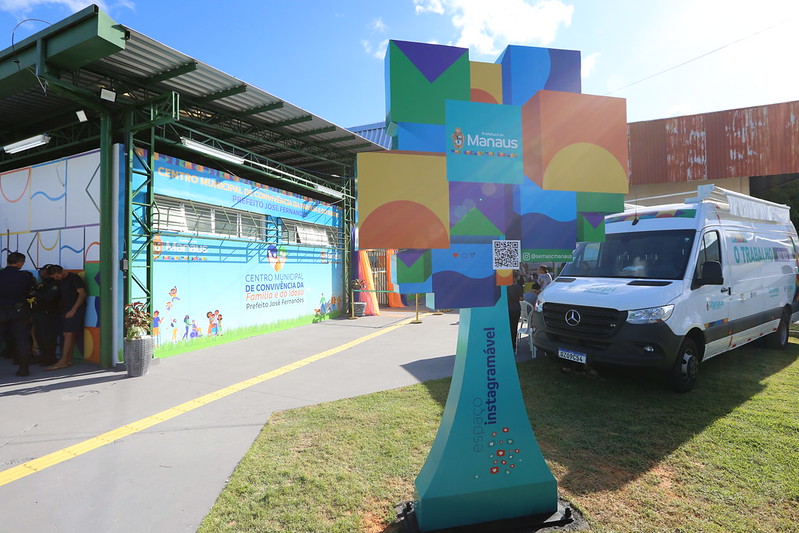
point(645, 254)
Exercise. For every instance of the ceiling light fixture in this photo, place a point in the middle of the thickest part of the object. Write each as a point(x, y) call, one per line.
point(107, 95)
point(330, 192)
point(26, 144)
point(81, 115)
point(211, 151)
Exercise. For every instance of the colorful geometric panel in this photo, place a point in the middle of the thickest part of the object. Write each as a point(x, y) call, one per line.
point(420, 78)
point(91, 344)
point(591, 210)
point(597, 202)
point(463, 276)
point(480, 212)
point(92, 316)
point(91, 278)
point(414, 266)
point(516, 155)
point(403, 200)
point(486, 82)
point(527, 70)
point(590, 227)
point(485, 142)
point(504, 278)
point(576, 142)
point(565, 69)
point(548, 219)
point(416, 137)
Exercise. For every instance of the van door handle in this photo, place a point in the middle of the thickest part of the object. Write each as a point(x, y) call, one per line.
point(728, 290)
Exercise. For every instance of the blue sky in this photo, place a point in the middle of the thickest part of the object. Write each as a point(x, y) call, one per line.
point(327, 56)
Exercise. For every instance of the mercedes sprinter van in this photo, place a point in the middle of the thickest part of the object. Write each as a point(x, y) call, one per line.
point(674, 285)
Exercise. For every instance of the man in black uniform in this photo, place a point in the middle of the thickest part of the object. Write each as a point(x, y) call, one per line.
point(72, 304)
point(15, 313)
point(45, 316)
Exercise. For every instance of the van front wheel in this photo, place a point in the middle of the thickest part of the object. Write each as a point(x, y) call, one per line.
point(686, 367)
point(779, 339)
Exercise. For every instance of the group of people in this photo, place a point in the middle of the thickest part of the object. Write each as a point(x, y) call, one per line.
point(517, 293)
point(48, 310)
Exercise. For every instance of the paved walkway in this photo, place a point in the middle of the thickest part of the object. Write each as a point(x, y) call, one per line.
point(85, 449)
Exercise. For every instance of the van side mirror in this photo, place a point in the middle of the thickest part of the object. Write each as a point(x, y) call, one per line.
point(711, 274)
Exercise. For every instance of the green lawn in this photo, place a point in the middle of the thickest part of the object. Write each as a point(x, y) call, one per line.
point(627, 452)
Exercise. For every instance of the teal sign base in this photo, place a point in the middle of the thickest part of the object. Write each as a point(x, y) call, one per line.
point(485, 464)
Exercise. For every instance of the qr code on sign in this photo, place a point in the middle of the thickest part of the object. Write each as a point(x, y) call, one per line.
point(507, 254)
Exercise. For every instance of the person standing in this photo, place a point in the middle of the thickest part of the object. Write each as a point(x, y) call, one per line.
point(45, 317)
point(72, 306)
point(16, 286)
point(544, 277)
point(515, 295)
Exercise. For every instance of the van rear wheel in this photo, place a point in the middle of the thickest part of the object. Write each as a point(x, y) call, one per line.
point(779, 339)
point(686, 367)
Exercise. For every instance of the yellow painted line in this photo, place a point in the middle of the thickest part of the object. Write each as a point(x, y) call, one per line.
point(37, 465)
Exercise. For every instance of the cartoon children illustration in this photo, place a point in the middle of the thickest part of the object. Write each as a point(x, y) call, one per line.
point(168, 306)
point(157, 327)
point(211, 323)
point(173, 293)
point(195, 330)
point(218, 323)
point(187, 323)
point(174, 325)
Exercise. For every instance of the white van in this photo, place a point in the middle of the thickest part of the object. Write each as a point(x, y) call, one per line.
point(674, 285)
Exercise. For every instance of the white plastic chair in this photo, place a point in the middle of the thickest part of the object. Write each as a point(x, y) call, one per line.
point(525, 323)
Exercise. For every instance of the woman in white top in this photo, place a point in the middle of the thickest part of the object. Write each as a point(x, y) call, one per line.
point(544, 277)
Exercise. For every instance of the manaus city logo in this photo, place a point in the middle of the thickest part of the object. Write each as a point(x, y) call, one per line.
point(485, 140)
point(457, 139)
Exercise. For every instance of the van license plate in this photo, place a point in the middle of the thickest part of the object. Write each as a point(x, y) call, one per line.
point(571, 356)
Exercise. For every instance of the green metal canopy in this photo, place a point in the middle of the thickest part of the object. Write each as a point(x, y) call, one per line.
point(48, 77)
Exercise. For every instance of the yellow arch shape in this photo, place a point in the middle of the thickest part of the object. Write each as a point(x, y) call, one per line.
point(39, 240)
point(585, 167)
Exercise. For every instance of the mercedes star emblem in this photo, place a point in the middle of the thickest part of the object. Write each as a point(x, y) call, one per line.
point(572, 317)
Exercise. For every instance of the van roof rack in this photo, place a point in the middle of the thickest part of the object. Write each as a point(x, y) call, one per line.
point(735, 203)
point(742, 205)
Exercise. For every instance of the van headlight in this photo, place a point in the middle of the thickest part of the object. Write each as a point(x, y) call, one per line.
point(539, 305)
point(650, 315)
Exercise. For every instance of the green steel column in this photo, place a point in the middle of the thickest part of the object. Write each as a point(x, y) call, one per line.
point(138, 246)
point(348, 225)
point(126, 208)
point(107, 228)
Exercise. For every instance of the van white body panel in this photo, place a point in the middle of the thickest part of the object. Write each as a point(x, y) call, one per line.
point(654, 259)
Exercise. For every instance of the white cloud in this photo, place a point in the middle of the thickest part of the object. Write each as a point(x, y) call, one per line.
point(379, 25)
point(377, 51)
point(588, 63)
point(487, 27)
point(429, 6)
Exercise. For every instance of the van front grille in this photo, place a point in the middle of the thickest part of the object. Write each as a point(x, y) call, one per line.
point(582, 321)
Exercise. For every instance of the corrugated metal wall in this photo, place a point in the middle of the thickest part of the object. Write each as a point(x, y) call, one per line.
point(755, 141)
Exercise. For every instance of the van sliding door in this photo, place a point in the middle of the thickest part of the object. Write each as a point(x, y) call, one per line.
point(710, 304)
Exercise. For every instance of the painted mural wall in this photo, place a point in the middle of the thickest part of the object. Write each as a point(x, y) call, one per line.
point(230, 260)
point(206, 286)
point(51, 213)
